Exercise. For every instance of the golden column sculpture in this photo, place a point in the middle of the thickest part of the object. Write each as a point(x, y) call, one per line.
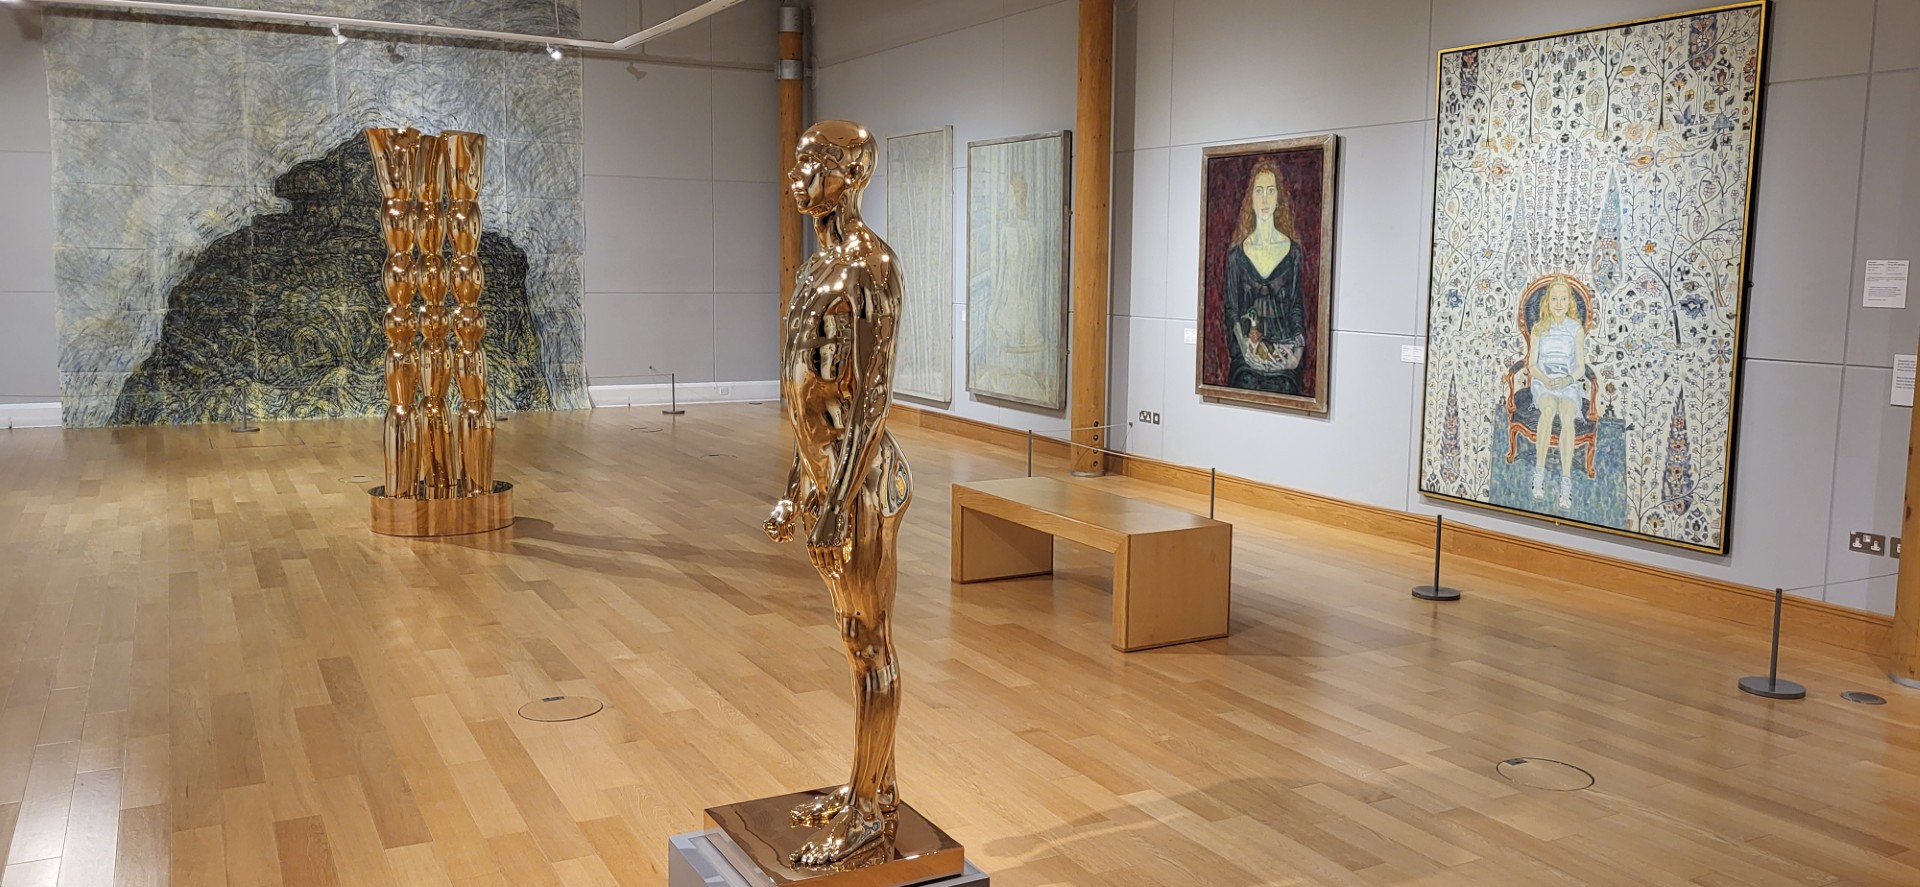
point(845, 497)
point(438, 482)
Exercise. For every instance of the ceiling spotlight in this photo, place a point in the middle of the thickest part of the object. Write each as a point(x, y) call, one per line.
point(553, 51)
point(337, 36)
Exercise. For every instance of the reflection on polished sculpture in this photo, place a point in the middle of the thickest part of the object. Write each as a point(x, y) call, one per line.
point(847, 493)
point(439, 472)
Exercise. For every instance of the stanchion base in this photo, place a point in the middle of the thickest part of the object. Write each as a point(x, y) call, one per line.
point(1758, 685)
point(1903, 680)
point(244, 429)
point(1430, 593)
point(673, 412)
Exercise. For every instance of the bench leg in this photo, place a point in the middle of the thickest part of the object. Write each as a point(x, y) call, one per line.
point(1171, 588)
point(986, 547)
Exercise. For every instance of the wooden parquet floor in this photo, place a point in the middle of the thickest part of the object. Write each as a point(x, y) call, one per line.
point(214, 674)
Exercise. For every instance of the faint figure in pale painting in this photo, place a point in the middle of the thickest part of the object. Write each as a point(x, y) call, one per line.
point(1016, 294)
point(920, 226)
point(849, 484)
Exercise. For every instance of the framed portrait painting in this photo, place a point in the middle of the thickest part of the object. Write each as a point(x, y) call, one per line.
point(1589, 268)
point(1266, 272)
point(1017, 224)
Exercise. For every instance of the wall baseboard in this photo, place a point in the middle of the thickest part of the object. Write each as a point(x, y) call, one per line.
point(1745, 605)
point(689, 392)
point(30, 415)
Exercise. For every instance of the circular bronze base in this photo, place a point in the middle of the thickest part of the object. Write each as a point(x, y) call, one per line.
point(479, 513)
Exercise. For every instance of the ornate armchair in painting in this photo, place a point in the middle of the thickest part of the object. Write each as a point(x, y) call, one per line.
point(1523, 414)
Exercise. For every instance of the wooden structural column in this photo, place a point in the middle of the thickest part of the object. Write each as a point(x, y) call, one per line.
point(1906, 606)
point(792, 75)
point(1092, 189)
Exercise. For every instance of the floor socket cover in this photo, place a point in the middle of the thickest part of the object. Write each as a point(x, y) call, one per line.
point(1544, 774)
point(561, 708)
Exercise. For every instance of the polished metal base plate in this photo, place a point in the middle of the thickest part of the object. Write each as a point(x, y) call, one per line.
point(1429, 593)
point(760, 837)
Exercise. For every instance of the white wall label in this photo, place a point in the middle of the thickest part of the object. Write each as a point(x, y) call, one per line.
point(1886, 284)
point(1190, 336)
point(1903, 370)
point(1413, 354)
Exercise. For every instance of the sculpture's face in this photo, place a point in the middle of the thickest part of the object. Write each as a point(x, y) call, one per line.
point(816, 184)
point(832, 163)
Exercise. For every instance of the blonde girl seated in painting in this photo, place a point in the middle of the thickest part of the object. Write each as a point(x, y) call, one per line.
point(1556, 363)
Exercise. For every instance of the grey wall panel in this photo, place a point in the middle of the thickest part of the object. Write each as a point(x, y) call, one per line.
point(1228, 55)
point(648, 120)
point(1140, 224)
point(746, 112)
point(746, 236)
point(649, 235)
point(29, 360)
point(1143, 75)
point(630, 337)
point(1896, 35)
point(23, 82)
point(1869, 473)
point(1889, 222)
point(26, 223)
point(1380, 229)
point(746, 332)
point(1804, 209)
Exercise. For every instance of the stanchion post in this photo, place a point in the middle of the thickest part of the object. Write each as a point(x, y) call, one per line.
point(246, 425)
point(1213, 485)
point(1770, 686)
point(1029, 452)
point(1436, 591)
point(673, 396)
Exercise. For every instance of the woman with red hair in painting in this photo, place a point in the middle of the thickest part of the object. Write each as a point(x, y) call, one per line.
point(1266, 324)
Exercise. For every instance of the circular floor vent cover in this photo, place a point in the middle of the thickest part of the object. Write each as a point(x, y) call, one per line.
point(356, 479)
point(561, 708)
point(1542, 773)
point(1863, 697)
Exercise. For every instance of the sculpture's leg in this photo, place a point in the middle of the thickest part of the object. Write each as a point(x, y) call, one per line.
point(863, 603)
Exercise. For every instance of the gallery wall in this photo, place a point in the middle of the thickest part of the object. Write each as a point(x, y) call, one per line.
point(676, 145)
point(1820, 452)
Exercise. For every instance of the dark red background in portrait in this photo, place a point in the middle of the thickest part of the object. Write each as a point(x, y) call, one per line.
point(1301, 172)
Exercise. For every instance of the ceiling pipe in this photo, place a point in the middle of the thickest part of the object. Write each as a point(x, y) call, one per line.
point(623, 46)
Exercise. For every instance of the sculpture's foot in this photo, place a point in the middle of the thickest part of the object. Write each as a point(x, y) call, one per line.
point(847, 841)
point(822, 808)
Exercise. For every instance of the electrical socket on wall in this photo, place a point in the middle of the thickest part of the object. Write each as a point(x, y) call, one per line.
point(1894, 547)
point(1867, 543)
point(1149, 418)
point(726, 390)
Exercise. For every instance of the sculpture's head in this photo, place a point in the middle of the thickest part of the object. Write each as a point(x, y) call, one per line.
point(832, 164)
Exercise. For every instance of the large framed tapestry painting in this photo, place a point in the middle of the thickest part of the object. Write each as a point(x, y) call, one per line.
point(920, 229)
point(1590, 226)
point(1266, 262)
point(1017, 218)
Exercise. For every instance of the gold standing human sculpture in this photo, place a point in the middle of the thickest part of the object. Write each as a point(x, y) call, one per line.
point(850, 484)
point(438, 482)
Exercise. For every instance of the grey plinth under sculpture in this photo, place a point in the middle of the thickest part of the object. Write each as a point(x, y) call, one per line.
point(694, 861)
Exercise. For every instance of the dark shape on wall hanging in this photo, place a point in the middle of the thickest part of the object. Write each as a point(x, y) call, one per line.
point(282, 317)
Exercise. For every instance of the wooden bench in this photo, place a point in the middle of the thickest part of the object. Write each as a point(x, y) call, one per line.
point(1172, 571)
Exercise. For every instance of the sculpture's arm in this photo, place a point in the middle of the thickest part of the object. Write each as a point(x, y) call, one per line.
point(864, 411)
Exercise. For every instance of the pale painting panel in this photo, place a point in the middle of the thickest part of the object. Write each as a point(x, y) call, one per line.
point(1016, 269)
point(1589, 268)
point(920, 230)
